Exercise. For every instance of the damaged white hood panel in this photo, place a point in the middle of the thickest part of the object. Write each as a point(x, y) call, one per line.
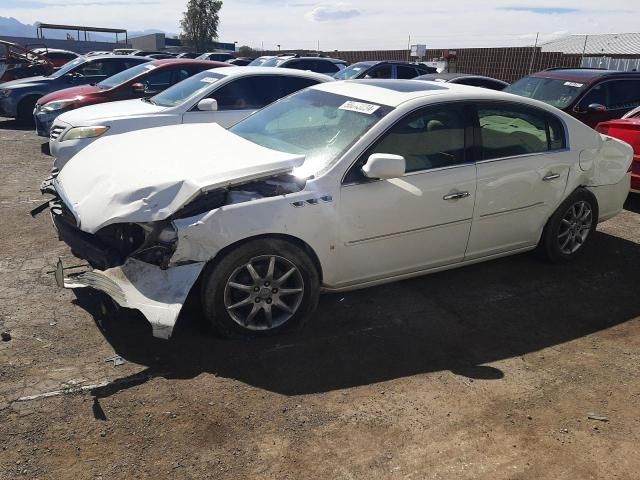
point(146, 175)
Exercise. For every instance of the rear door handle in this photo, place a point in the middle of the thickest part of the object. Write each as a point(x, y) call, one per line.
point(550, 176)
point(456, 196)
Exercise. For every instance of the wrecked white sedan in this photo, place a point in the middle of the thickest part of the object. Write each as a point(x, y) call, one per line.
point(340, 186)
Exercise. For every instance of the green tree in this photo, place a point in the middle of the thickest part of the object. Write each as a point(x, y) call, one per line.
point(200, 23)
point(245, 51)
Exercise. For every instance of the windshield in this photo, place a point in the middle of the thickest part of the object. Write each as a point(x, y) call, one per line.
point(182, 91)
point(318, 124)
point(556, 92)
point(352, 71)
point(275, 61)
point(125, 75)
point(258, 62)
point(67, 67)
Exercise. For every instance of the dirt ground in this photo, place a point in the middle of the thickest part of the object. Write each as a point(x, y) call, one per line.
point(486, 372)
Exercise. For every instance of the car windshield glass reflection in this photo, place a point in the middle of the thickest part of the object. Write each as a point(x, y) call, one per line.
point(184, 90)
point(67, 67)
point(320, 125)
point(556, 92)
point(352, 71)
point(124, 76)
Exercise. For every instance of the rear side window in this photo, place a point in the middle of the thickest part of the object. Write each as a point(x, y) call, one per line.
point(293, 84)
point(405, 72)
point(507, 131)
point(325, 66)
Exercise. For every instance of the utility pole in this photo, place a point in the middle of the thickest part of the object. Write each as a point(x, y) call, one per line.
point(584, 48)
point(408, 47)
point(533, 53)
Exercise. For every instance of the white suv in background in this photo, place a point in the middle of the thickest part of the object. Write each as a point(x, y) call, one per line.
point(222, 95)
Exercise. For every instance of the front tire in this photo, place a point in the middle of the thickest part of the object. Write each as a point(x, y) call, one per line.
point(263, 287)
point(569, 228)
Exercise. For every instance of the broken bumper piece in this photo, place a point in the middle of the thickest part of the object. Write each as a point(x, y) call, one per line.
point(158, 294)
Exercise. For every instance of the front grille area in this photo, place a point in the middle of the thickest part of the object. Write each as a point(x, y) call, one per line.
point(56, 130)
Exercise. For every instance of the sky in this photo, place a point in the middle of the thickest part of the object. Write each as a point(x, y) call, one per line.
point(354, 24)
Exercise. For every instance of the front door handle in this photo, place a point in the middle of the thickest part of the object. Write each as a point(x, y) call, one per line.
point(550, 176)
point(456, 196)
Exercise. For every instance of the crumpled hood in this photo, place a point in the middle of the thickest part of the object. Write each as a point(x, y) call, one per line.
point(26, 82)
point(147, 175)
point(68, 93)
point(94, 114)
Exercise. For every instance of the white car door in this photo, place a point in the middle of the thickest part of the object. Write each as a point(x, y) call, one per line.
point(421, 220)
point(522, 176)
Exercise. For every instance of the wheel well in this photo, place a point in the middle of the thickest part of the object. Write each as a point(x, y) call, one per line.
point(27, 99)
point(287, 238)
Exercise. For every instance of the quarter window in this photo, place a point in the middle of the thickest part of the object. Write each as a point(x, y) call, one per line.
point(508, 131)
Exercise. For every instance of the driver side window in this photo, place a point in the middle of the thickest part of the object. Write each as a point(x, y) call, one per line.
point(431, 138)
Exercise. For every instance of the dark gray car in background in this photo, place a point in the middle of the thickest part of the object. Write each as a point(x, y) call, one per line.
point(18, 97)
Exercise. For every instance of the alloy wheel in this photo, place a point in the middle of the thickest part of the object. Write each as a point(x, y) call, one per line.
point(575, 227)
point(264, 293)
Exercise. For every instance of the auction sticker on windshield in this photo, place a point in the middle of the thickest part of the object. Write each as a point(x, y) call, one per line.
point(573, 84)
point(209, 80)
point(150, 67)
point(359, 107)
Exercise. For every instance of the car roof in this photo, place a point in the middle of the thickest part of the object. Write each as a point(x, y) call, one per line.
point(580, 74)
point(394, 92)
point(328, 59)
point(186, 61)
point(236, 71)
point(453, 76)
point(118, 57)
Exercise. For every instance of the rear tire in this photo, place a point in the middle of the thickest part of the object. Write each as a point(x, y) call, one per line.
point(262, 287)
point(25, 111)
point(569, 228)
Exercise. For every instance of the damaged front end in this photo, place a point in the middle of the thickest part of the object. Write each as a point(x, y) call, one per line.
point(132, 262)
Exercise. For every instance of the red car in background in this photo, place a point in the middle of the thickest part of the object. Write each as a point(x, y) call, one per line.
point(56, 56)
point(627, 129)
point(144, 80)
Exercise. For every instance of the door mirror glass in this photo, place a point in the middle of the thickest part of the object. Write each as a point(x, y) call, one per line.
point(384, 165)
point(596, 107)
point(208, 105)
point(138, 88)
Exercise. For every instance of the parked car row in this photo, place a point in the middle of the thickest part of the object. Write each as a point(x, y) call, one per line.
point(267, 186)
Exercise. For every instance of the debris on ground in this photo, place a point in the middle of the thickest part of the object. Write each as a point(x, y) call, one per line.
point(6, 336)
point(116, 359)
point(600, 418)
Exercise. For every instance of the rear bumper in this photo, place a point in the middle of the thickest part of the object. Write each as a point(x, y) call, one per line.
point(611, 197)
point(158, 294)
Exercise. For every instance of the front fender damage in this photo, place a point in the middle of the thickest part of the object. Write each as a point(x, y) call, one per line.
point(158, 294)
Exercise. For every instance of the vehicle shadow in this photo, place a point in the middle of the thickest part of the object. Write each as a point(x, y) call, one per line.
point(12, 124)
point(457, 321)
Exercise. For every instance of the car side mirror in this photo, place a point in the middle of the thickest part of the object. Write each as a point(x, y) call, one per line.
point(384, 166)
point(596, 107)
point(138, 88)
point(208, 105)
